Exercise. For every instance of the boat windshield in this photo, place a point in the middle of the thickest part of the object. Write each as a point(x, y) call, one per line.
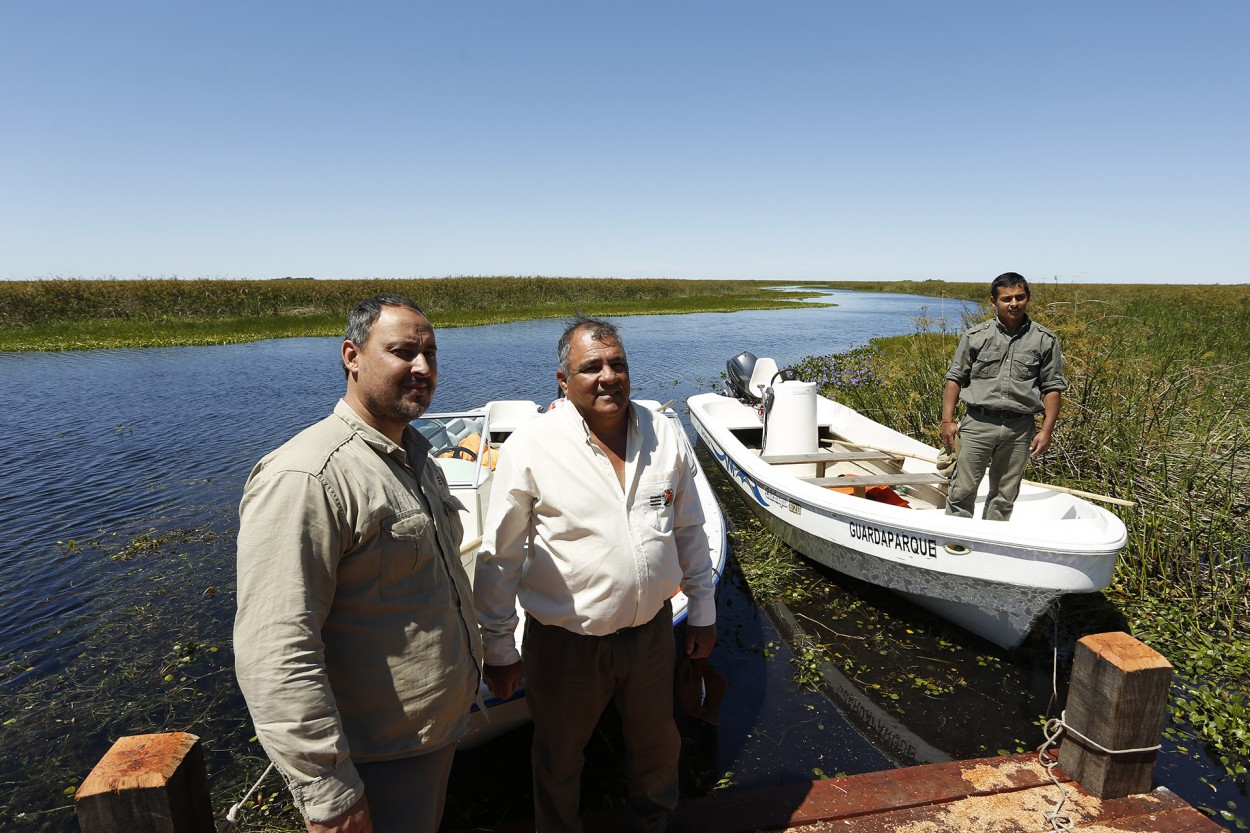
point(458, 441)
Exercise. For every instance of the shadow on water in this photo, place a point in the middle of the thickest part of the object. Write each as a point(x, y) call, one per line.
point(771, 731)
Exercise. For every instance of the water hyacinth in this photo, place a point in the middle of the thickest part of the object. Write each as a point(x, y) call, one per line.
point(840, 372)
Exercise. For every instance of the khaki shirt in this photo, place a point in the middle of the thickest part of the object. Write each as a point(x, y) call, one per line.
point(576, 549)
point(355, 636)
point(1004, 372)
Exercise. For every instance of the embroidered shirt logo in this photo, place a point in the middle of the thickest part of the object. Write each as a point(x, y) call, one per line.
point(665, 499)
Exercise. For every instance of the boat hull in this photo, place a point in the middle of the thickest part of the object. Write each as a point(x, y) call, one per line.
point(992, 578)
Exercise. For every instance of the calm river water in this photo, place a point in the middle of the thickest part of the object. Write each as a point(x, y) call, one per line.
point(122, 472)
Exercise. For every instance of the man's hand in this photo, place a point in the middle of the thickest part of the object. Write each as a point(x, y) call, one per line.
point(950, 430)
point(700, 640)
point(355, 820)
point(1040, 444)
point(503, 680)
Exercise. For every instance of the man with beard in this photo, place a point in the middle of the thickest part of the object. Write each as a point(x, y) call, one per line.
point(355, 639)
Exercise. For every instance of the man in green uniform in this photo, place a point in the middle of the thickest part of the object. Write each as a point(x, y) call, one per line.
point(1005, 370)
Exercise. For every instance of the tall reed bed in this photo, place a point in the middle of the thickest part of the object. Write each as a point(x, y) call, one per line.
point(81, 314)
point(1158, 412)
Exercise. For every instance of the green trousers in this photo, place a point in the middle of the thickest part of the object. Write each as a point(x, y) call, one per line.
point(1000, 446)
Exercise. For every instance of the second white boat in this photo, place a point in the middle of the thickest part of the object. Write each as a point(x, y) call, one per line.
point(867, 501)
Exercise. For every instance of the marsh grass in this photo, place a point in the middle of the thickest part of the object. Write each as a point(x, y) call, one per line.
point(82, 315)
point(1158, 412)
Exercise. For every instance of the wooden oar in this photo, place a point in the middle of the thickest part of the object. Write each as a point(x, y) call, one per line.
point(1077, 492)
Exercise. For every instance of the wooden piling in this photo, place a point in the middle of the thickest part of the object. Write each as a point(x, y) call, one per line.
point(1117, 699)
point(147, 784)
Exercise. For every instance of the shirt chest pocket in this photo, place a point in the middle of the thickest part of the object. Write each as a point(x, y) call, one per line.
point(1026, 365)
point(987, 363)
point(655, 500)
point(409, 562)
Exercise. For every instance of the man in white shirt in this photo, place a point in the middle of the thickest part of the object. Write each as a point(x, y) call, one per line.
point(602, 493)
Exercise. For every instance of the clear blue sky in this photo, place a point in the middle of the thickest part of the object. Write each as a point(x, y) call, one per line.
point(1092, 141)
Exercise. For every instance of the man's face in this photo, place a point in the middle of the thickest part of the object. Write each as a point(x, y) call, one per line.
point(598, 378)
point(394, 374)
point(1011, 302)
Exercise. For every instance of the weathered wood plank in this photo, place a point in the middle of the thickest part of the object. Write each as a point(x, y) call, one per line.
point(831, 457)
point(857, 795)
point(859, 482)
point(147, 784)
point(1117, 699)
point(989, 795)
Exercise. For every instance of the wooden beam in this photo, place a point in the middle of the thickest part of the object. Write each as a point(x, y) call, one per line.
point(1117, 700)
point(860, 482)
point(831, 457)
point(147, 784)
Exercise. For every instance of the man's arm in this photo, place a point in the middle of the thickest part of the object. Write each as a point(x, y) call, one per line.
point(288, 551)
point(1050, 415)
point(1052, 383)
point(950, 427)
point(694, 552)
point(355, 820)
point(498, 573)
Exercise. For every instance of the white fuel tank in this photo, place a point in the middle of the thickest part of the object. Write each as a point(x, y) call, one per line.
point(792, 426)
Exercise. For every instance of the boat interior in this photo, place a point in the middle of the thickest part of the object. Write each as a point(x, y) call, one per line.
point(466, 445)
point(854, 469)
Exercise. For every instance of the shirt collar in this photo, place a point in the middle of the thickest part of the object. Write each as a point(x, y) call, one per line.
point(569, 411)
point(1024, 326)
point(376, 439)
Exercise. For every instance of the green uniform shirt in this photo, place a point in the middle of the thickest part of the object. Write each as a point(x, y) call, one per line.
point(1004, 372)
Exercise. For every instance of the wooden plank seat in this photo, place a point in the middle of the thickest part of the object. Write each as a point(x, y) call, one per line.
point(824, 458)
point(861, 482)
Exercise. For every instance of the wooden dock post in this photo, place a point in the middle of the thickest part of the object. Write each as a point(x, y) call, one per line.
point(147, 784)
point(1118, 700)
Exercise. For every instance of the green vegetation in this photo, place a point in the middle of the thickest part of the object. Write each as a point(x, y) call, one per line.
point(1158, 411)
point(83, 315)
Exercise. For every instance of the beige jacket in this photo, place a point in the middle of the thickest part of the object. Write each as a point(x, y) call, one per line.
point(355, 636)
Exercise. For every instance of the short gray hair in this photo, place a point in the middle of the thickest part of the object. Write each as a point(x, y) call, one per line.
point(600, 330)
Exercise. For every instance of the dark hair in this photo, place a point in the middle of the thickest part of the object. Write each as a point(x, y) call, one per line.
point(1008, 279)
point(600, 330)
point(361, 319)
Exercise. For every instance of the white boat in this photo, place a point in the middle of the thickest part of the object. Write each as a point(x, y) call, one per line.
point(786, 449)
point(466, 445)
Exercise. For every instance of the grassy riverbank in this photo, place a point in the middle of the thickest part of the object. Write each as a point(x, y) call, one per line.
point(1158, 412)
point(83, 315)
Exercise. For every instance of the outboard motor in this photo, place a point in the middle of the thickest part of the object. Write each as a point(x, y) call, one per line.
point(738, 372)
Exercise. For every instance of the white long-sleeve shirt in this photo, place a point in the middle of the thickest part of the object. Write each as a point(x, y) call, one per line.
point(599, 558)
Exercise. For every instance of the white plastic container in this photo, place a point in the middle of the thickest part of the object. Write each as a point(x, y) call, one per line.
point(792, 426)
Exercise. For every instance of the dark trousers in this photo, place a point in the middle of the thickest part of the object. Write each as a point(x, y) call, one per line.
point(406, 795)
point(569, 680)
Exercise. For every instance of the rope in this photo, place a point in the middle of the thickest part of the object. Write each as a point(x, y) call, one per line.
point(1059, 821)
point(1060, 721)
point(232, 815)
